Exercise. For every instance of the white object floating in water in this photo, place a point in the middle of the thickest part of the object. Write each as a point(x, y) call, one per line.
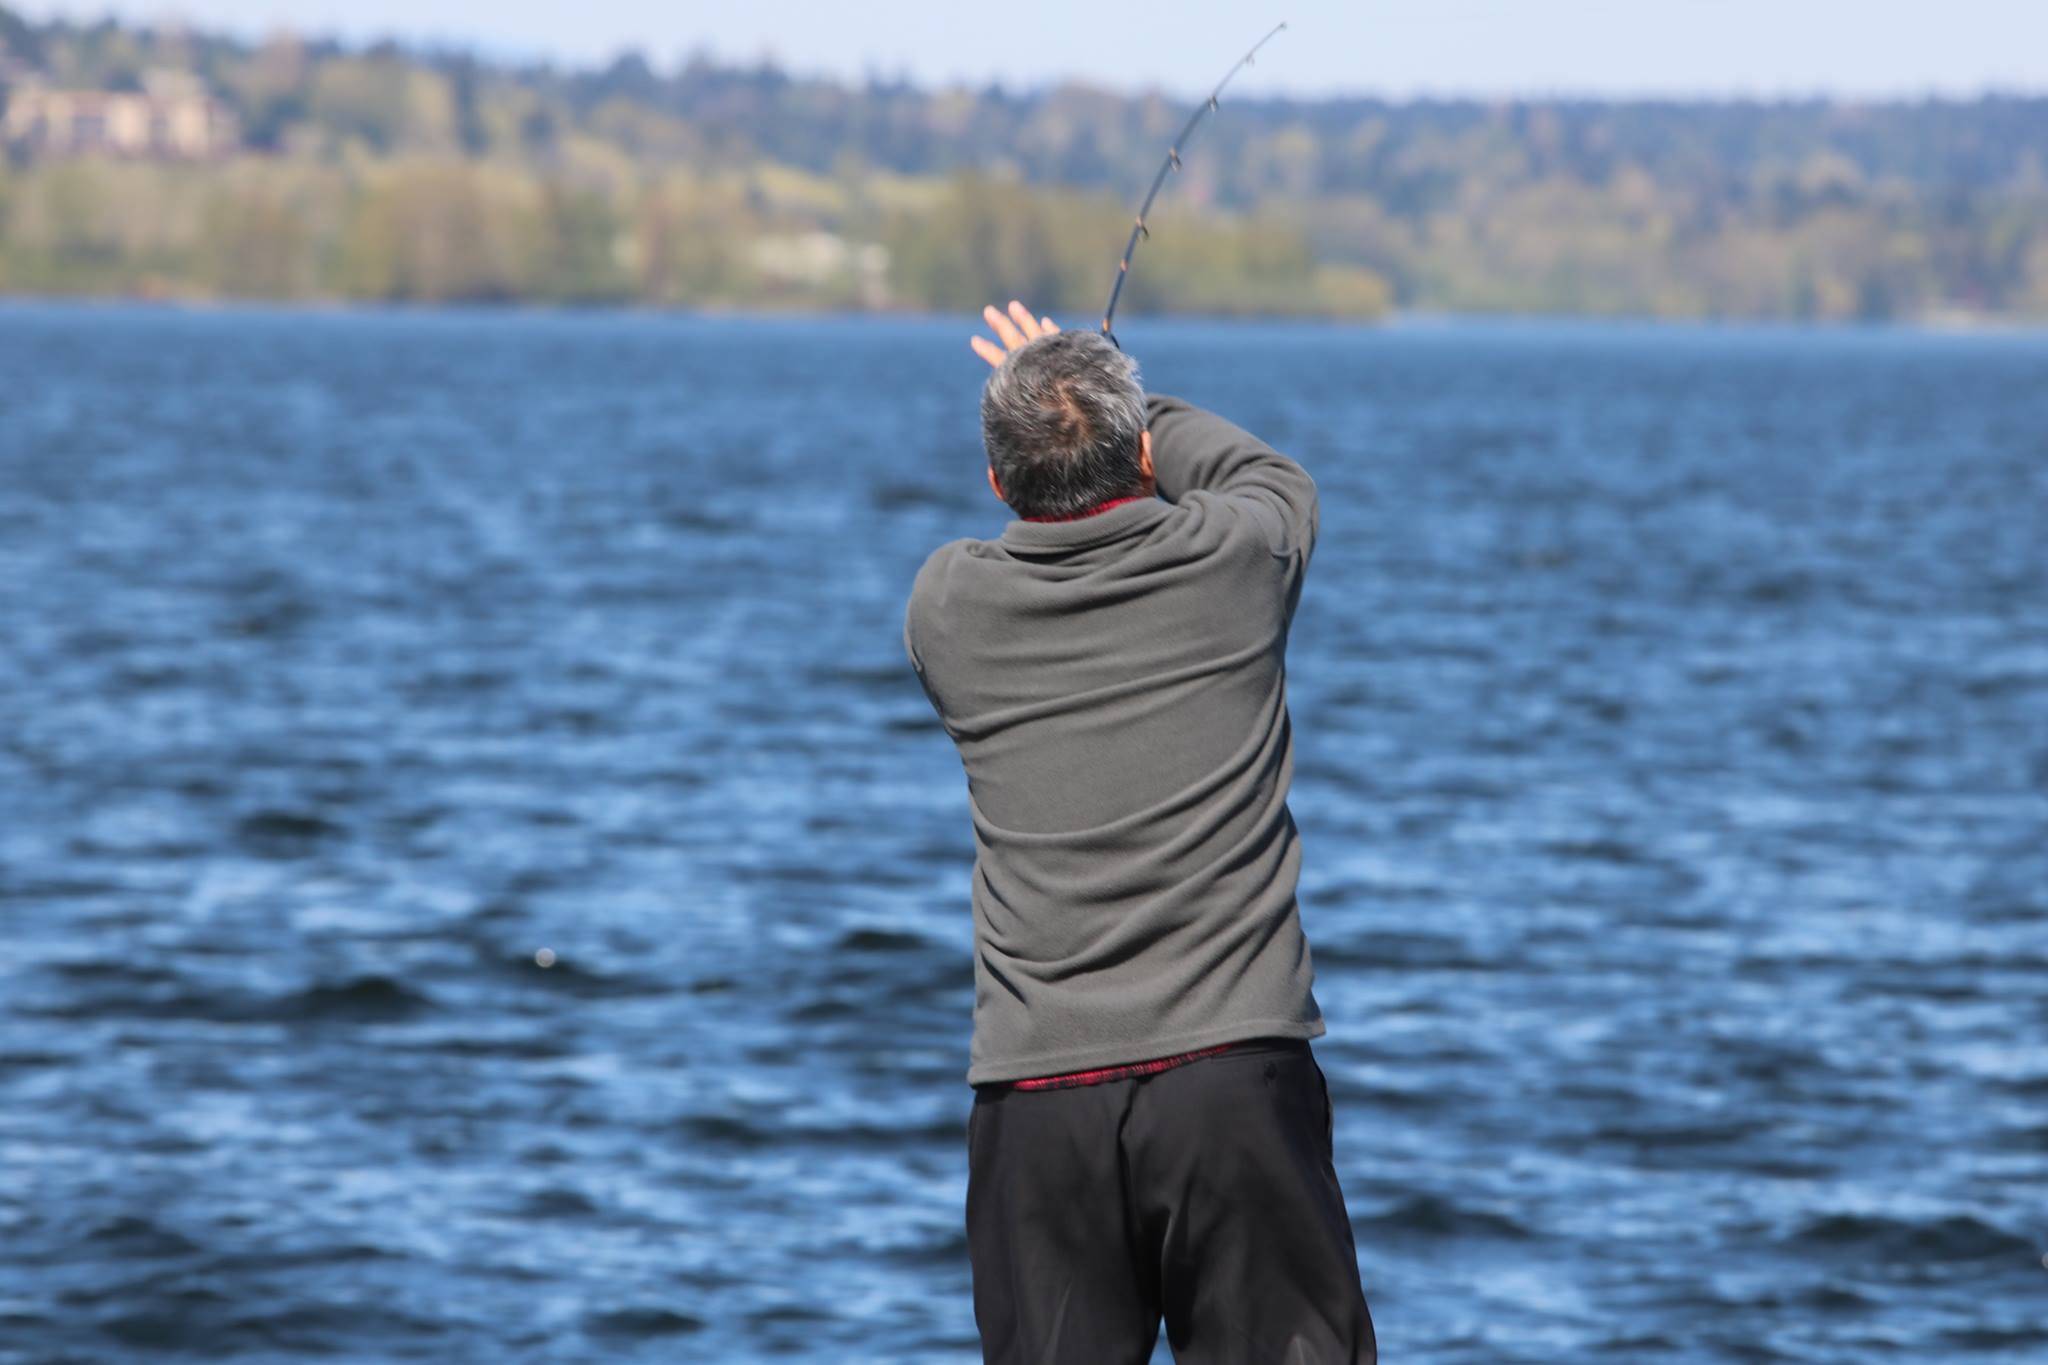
point(545, 957)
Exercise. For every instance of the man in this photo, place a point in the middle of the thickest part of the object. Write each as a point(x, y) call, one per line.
point(1151, 1133)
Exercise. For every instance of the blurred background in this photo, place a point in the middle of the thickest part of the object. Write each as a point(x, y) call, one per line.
point(1881, 165)
point(479, 877)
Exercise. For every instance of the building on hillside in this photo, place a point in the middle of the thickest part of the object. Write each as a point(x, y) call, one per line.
point(826, 261)
point(171, 118)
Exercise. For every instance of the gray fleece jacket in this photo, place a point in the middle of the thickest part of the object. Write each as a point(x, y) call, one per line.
point(1115, 686)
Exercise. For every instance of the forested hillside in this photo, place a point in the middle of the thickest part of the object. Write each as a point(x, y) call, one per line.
point(384, 173)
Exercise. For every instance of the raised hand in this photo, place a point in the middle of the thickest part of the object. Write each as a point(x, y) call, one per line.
point(1016, 330)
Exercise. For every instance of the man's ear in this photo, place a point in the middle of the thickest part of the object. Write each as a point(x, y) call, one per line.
point(994, 486)
point(1145, 454)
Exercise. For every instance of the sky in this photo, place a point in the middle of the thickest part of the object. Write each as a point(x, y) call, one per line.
point(1398, 48)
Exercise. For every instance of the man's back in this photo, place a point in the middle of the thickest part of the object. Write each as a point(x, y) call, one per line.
point(1116, 687)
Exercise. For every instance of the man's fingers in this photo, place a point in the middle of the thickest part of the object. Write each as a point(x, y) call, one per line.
point(1015, 328)
point(1003, 327)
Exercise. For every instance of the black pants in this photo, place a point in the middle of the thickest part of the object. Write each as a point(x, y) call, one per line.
point(1204, 1194)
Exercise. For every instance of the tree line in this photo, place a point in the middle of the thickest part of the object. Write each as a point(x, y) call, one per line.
point(383, 173)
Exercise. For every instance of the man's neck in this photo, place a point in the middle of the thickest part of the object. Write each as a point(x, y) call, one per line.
point(1096, 510)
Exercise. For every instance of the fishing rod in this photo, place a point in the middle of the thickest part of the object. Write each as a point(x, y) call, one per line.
point(1168, 167)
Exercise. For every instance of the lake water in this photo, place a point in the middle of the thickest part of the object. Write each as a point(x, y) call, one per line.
point(1671, 716)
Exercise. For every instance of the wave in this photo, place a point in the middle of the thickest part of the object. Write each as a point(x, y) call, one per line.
point(870, 940)
point(160, 995)
point(640, 1324)
point(1953, 1237)
point(284, 833)
point(131, 1237)
point(363, 999)
point(1431, 1215)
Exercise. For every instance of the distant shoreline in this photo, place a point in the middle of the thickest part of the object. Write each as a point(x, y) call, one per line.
point(143, 161)
point(1417, 320)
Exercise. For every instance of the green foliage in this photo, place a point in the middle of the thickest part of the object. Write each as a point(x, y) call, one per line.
point(984, 234)
point(379, 174)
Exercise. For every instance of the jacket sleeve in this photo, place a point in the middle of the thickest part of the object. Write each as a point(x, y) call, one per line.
point(914, 623)
point(1194, 450)
point(910, 644)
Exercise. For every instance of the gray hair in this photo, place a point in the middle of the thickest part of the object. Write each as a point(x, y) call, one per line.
point(1061, 418)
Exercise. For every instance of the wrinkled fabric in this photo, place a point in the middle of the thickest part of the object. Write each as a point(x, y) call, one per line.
point(1116, 689)
point(1203, 1197)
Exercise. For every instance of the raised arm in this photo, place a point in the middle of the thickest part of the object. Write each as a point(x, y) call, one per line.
point(1196, 450)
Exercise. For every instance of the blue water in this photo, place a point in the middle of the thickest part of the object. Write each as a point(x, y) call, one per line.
point(1671, 718)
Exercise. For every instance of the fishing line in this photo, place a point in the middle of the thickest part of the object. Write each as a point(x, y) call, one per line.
point(1168, 167)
